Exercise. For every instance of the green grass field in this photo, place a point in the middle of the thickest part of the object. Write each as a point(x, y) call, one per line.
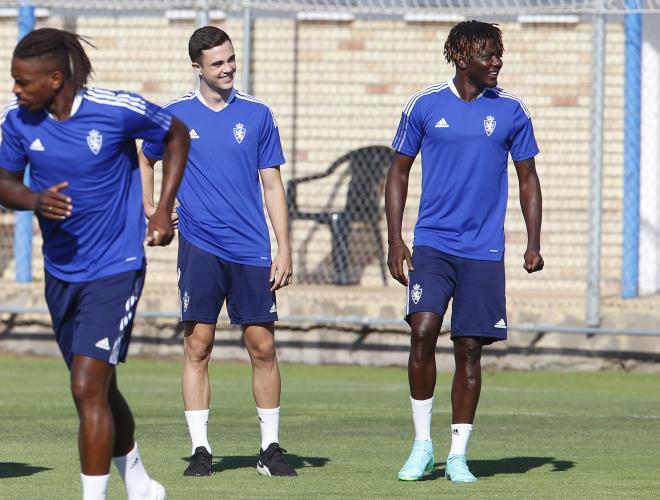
point(348, 430)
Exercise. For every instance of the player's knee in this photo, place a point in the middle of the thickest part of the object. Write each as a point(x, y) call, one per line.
point(197, 351)
point(468, 350)
point(422, 350)
point(473, 354)
point(423, 338)
point(263, 351)
point(86, 390)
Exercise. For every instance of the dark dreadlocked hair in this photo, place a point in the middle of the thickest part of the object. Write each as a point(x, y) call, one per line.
point(64, 47)
point(468, 36)
point(204, 38)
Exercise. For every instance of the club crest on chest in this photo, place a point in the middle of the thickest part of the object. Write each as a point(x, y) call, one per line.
point(94, 141)
point(489, 124)
point(239, 132)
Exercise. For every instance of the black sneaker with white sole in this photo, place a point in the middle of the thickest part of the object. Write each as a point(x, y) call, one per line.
point(200, 463)
point(272, 462)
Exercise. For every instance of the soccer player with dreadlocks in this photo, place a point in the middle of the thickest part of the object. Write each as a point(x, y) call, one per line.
point(465, 129)
point(85, 190)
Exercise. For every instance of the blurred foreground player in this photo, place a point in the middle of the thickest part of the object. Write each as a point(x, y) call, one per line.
point(465, 128)
point(85, 191)
point(224, 245)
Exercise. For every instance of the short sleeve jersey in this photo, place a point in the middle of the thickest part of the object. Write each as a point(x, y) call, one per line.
point(221, 203)
point(465, 148)
point(94, 151)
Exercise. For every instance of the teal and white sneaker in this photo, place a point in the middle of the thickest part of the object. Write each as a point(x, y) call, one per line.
point(420, 461)
point(457, 470)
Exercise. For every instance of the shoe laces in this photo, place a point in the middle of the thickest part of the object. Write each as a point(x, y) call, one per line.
point(200, 456)
point(460, 463)
point(415, 455)
point(419, 450)
point(275, 454)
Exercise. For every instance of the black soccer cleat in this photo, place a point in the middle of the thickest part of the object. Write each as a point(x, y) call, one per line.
point(272, 462)
point(200, 463)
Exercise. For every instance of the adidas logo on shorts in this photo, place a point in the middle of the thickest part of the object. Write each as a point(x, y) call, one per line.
point(500, 324)
point(103, 344)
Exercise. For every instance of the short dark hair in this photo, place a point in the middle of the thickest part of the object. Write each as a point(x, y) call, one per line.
point(205, 38)
point(62, 46)
point(468, 36)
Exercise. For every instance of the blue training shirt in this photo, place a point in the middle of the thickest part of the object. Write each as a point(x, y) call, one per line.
point(221, 204)
point(465, 148)
point(94, 151)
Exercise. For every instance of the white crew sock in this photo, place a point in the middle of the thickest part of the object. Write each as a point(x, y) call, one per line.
point(269, 421)
point(422, 410)
point(198, 423)
point(135, 477)
point(460, 435)
point(94, 487)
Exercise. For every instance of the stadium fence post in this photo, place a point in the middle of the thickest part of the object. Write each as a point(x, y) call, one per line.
point(247, 46)
point(23, 230)
point(202, 18)
point(631, 180)
point(202, 13)
point(596, 175)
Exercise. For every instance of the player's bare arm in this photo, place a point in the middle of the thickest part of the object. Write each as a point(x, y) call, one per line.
point(147, 176)
point(531, 203)
point(281, 270)
point(396, 191)
point(51, 203)
point(160, 230)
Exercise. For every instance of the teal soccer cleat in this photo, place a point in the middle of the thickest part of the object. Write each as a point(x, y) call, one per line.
point(457, 470)
point(419, 461)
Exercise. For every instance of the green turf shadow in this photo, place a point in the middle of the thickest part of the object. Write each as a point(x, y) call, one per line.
point(18, 469)
point(510, 465)
point(232, 462)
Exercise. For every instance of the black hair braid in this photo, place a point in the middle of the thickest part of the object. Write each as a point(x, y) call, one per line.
point(62, 46)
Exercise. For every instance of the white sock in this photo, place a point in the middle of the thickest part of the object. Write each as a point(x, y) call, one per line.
point(460, 435)
point(198, 423)
point(422, 410)
point(135, 477)
point(269, 421)
point(94, 487)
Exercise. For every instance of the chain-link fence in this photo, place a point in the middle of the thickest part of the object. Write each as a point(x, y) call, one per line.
point(337, 74)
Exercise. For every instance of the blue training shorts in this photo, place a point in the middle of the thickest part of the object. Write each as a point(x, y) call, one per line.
point(206, 280)
point(94, 318)
point(476, 286)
